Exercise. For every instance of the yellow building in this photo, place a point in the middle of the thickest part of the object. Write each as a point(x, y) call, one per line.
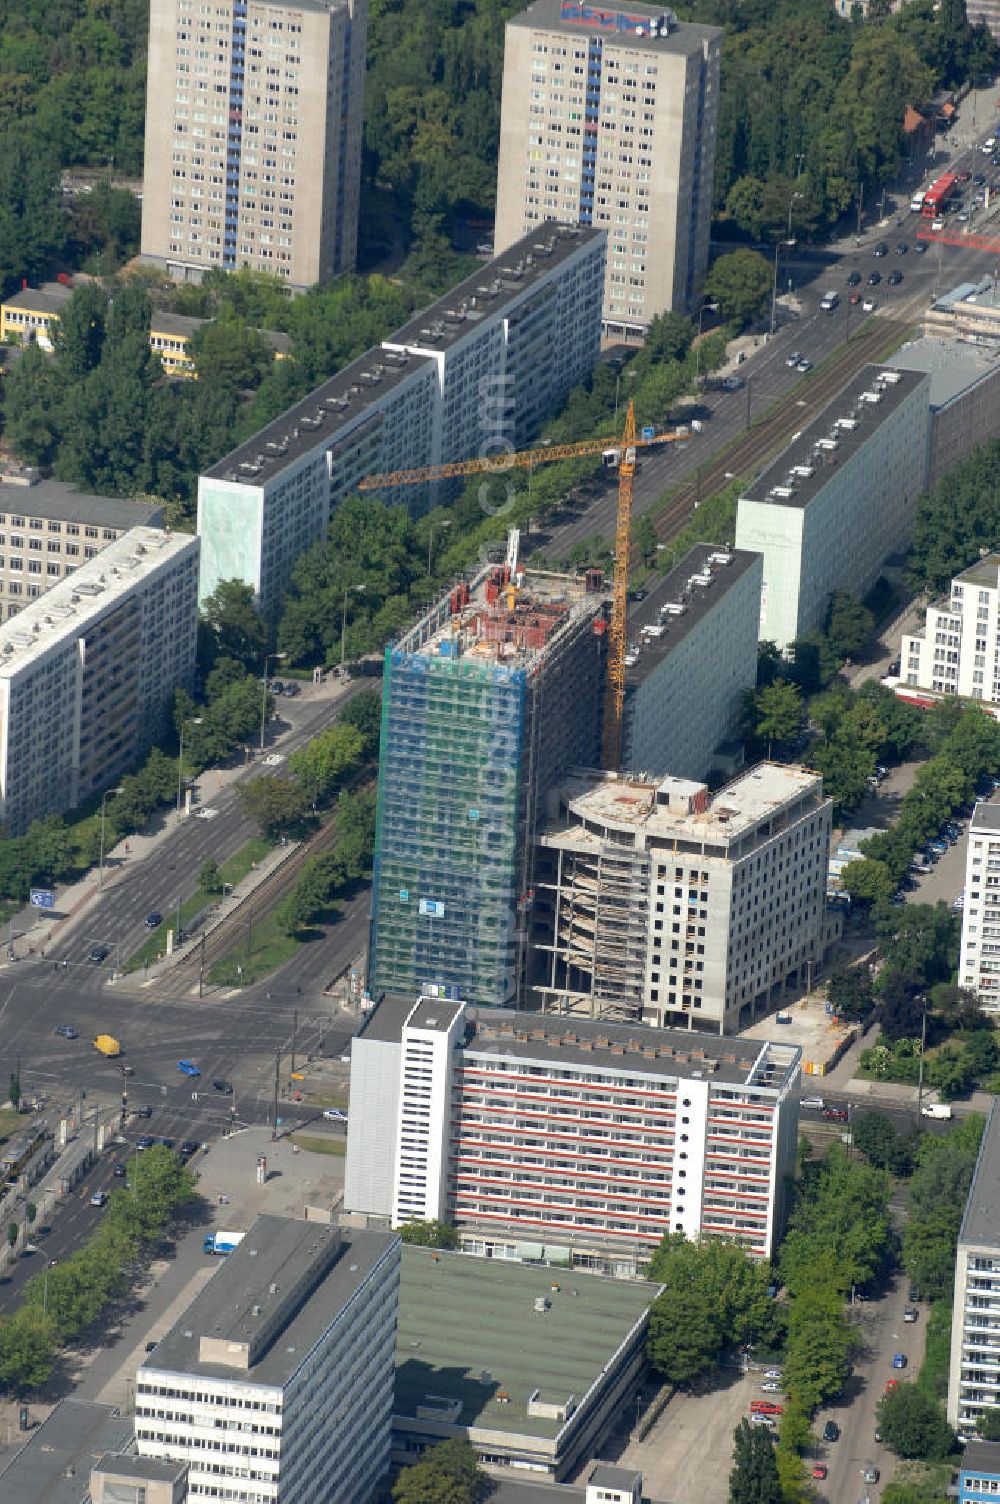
point(33, 314)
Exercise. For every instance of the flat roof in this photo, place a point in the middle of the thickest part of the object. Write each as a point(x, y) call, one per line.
point(516, 269)
point(55, 500)
point(53, 1466)
point(981, 1220)
point(694, 587)
point(277, 1251)
point(618, 25)
point(981, 1457)
point(468, 1331)
point(450, 318)
point(985, 571)
point(635, 1049)
point(985, 818)
point(385, 1021)
point(844, 426)
point(606, 1475)
point(620, 802)
point(435, 1014)
point(954, 366)
point(51, 297)
point(503, 626)
point(966, 292)
point(62, 611)
point(131, 1465)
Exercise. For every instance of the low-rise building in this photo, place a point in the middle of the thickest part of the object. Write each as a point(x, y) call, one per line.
point(543, 1137)
point(276, 1383)
point(958, 650)
point(83, 1454)
point(979, 955)
point(477, 371)
point(964, 396)
point(88, 672)
point(48, 529)
point(656, 900)
point(974, 1371)
point(533, 1370)
point(692, 656)
point(839, 500)
point(979, 1473)
point(969, 313)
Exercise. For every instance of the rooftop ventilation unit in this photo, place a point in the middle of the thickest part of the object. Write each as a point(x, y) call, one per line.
point(828, 445)
point(803, 471)
point(783, 492)
point(871, 396)
point(846, 423)
point(673, 608)
point(890, 378)
point(720, 558)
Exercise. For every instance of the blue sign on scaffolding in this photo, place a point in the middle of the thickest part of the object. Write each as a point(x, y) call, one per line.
point(42, 898)
point(649, 432)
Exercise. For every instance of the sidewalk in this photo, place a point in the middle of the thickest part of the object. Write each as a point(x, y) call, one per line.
point(35, 929)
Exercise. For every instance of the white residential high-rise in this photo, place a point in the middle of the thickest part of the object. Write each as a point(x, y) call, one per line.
point(477, 371)
point(595, 1138)
point(253, 137)
point(974, 1375)
point(958, 651)
point(608, 119)
point(275, 1384)
point(839, 500)
point(656, 900)
point(88, 671)
point(979, 957)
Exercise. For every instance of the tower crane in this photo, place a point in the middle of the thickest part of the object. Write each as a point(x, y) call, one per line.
point(624, 448)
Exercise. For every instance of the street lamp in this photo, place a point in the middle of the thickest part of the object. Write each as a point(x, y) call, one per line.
point(774, 290)
point(618, 381)
point(268, 658)
point(441, 522)
point(100, 877)
point(707, 304)
point(194, 720)
point(358, 590)
point(791, 205)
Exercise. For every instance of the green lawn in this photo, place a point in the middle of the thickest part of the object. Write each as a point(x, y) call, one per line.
point(9, 1120)
point(232, 871)
point(271, 948)
point(313, 1145)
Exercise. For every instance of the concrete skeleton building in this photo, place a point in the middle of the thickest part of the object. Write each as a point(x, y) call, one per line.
point(658, 901)
point(974, 1373)
point(608, 118)
point(979, 955)
point(276, 1383)
point(48, 529)
point(549, 1138)
point(486, 703)
point(253, 137)
point(839, 500)
point(958, 650)
point(531, 1371)
point(480, 368)
point(88, 672)
point(964, 396)
point(692, 656)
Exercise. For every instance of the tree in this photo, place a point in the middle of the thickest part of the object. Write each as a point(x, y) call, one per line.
point(900, 1008)
point(912, 1424)
point(731, 1287)
point(988, 1423)
point(881, 1142)
point(646, 539)
point(848, 625)
point(851, 992)
point(754, 1478)
point(430, 1234)
point(30, 1213)
point(14, 1092)
point(210, 878)
point(446, 1474)
point(774, 713)
point(740, 282)
point(277, 804)
point(364, 712)
point(684, 1337)
point(868, 882)
point(234, 628)
point(321, 764)
point(27, 1350)
point(12, 1234)
point(230, 352)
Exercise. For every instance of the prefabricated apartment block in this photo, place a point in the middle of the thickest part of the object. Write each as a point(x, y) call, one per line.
point(974, 1374)
point(545, 1137)
point(839, 500)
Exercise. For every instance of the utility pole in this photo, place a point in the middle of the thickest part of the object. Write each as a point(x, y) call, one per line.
point(920, 1068)
point(177, 929)
point(749, 384)
point(295, 1035)
point(277, 1071)
point(249, 936)
point(201, 966)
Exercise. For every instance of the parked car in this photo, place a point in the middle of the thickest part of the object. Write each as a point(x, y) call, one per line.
point(869, 305)
point(899, 1360)
point(911, 1313)
point(819, 1470)
point(144, 1141)
point(334, 1115)
point(276, 687)
point(891, 1384)
point(188, 1147)
point(291, 688)
point(225, 1087)
point(770, 1386)
point(812, 1102)
point(188, 1068)
point(154, 919)
point(835, 1114)
point(97, 954)
point(854, 279)
point(902, 248)
point(920, 249)
point(98, 1198)
point(804, 365)
point(66, 1031)
point(881, 249)
point(773, 1373)
point(831, 1431)
point(762, 1420)
point(869, 1472)
point(874, 278)
point(145, 1111)
point(894, 278)
point(121, 1170)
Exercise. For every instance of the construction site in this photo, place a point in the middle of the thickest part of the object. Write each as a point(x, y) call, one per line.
point(658, 902)
point(487, 702)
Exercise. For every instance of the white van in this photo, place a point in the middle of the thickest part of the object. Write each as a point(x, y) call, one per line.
point(831, 300)
point(916, 203)
point(937, 1110)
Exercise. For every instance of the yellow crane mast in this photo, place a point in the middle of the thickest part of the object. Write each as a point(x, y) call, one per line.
point(625, 449)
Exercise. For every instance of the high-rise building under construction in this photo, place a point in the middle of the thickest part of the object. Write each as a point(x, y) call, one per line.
point(486, 703)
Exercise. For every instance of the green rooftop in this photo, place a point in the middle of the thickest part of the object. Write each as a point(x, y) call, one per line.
point(469, 1331)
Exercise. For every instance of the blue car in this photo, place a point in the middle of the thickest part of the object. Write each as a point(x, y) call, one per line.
point(188, 1068)
point(899, 1360)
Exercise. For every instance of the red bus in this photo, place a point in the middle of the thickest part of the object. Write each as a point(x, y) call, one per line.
point(938, 195)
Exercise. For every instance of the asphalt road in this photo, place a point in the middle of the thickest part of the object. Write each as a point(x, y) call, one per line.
point(805, 329)
point(117, 919)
